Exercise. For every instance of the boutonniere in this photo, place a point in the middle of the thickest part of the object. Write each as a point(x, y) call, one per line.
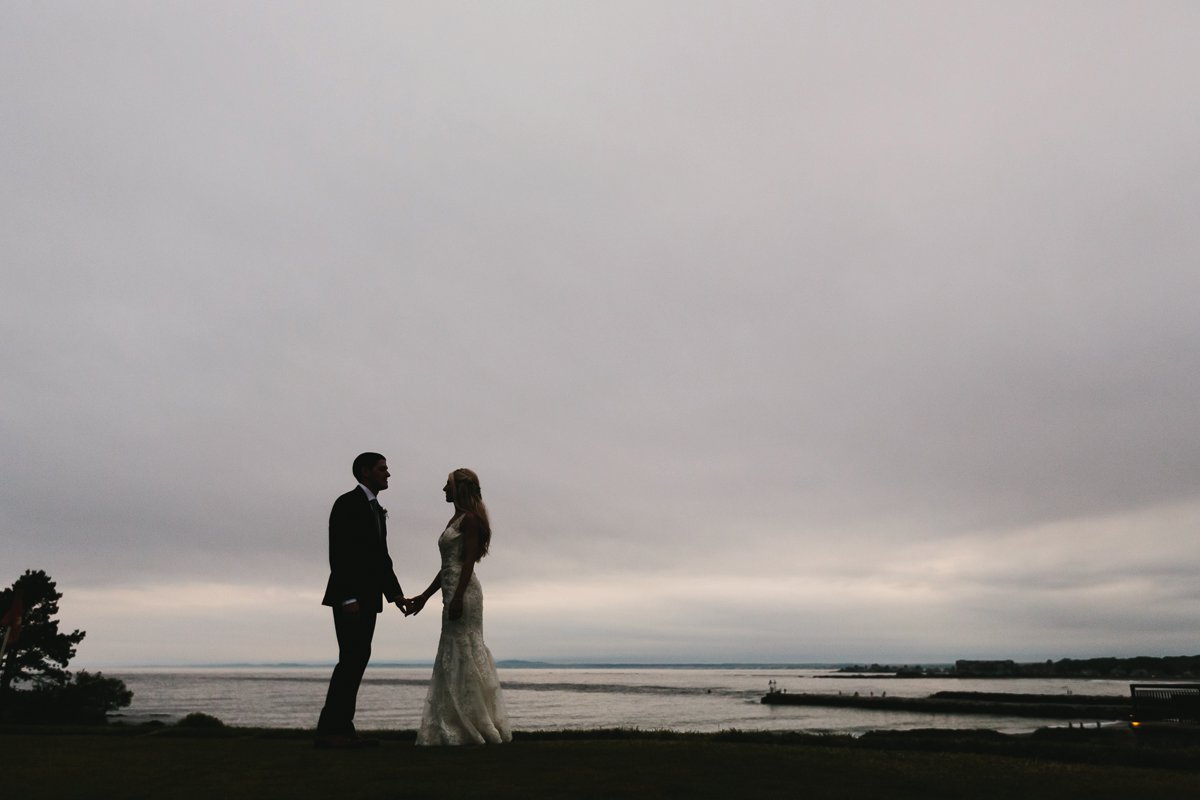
point(383, 512)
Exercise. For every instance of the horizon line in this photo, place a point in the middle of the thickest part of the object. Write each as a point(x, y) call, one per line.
point(534, 664)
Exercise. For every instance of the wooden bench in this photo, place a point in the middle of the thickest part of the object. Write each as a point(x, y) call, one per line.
point(1153, 703)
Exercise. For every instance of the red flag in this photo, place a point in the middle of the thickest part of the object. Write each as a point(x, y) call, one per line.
point(12, 618)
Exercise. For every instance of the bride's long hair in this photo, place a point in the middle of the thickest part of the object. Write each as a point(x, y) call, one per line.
point(468, 499)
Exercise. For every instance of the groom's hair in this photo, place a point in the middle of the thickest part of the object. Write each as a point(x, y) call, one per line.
point(364, 462)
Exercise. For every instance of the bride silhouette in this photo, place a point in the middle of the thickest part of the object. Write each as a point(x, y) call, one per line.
point(464, 704)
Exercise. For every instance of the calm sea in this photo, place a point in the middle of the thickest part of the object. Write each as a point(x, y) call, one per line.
point(564, 698)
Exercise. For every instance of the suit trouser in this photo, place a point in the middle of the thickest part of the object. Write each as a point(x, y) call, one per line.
point(354, 634)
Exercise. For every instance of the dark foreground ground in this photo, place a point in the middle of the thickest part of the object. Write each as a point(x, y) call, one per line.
point(178, 762)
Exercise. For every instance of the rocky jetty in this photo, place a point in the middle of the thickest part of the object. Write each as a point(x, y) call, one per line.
point(1044, 706)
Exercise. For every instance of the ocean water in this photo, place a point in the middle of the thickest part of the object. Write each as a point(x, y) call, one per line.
point(566, 698)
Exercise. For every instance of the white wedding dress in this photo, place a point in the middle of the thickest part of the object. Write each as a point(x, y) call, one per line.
point(464, 704)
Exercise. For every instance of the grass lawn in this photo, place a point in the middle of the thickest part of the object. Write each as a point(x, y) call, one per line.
point(169, 763)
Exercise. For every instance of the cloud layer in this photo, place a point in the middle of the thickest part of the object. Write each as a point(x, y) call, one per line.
point(794, 332)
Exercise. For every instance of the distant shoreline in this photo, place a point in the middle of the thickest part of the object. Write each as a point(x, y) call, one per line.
point(506, 664)
point(1113, 668)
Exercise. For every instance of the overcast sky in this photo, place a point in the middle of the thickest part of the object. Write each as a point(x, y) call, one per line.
point(775, 331)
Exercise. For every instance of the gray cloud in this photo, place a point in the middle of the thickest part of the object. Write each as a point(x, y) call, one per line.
point(791, 301)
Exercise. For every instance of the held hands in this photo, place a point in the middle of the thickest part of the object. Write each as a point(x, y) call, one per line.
point(411, 606)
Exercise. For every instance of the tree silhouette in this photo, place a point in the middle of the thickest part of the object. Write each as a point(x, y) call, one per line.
point(35, 685)
point(41, 654)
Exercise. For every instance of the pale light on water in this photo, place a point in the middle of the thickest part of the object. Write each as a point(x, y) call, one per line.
point(682, 699)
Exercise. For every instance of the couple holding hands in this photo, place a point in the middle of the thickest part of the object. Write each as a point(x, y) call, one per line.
point(464, 704)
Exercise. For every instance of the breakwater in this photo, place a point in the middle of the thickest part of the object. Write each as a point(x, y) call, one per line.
point(1069, 707)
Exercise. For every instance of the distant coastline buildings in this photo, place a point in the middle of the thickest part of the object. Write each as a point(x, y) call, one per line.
point(1139, 667)
point(1119, 668)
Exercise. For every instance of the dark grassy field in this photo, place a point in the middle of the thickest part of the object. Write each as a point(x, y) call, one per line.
point(180, 763)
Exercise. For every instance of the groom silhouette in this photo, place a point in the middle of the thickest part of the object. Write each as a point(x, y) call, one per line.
point(360, 576)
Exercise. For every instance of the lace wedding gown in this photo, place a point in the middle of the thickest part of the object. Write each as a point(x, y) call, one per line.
point(464, 704)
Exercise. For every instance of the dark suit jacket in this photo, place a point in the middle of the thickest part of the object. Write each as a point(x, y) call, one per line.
point(359, 564)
